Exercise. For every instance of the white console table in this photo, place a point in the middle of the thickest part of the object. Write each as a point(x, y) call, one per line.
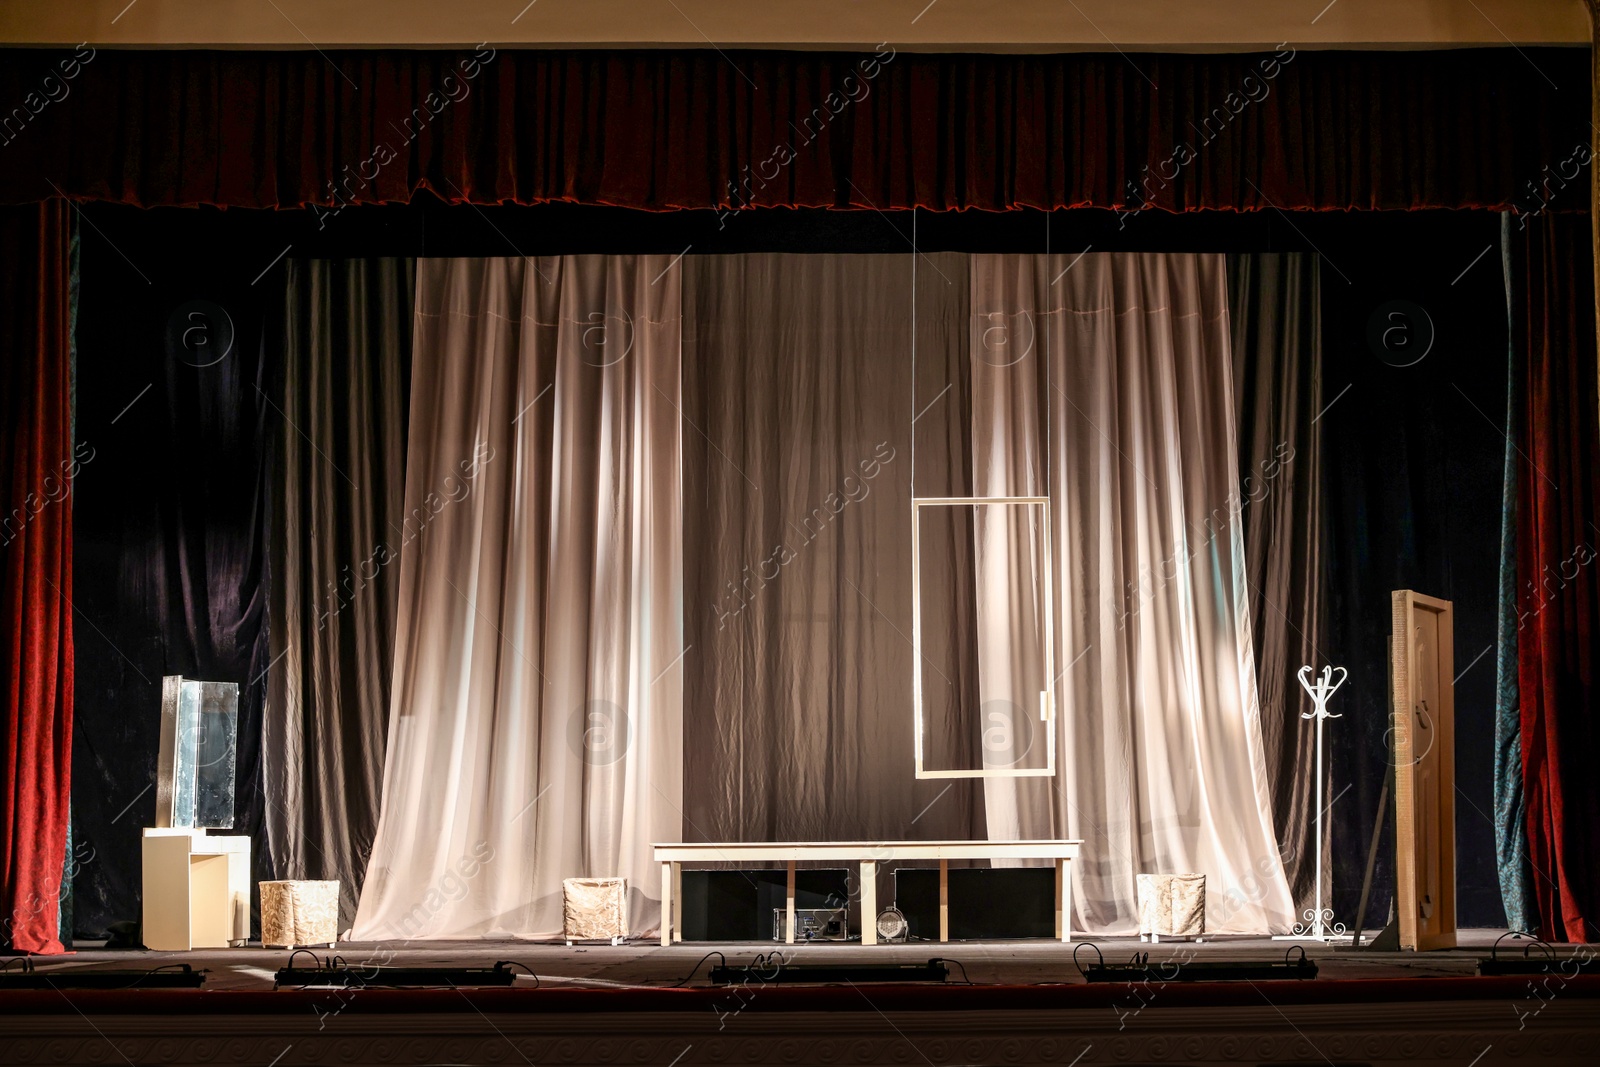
point(196, 889)
point(869, 854)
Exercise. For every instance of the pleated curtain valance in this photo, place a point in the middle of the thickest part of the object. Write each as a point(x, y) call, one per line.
point(1335, 130)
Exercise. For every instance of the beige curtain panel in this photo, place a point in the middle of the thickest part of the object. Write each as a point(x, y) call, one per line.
point(1105, 383)
point(535, 731)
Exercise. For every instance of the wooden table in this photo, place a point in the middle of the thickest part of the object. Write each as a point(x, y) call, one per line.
point(869, 854)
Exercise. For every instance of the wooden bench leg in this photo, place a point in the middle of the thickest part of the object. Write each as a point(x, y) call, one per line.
point(788, 922)
point(1064, 900)
point(869, 902)
point(944, 900)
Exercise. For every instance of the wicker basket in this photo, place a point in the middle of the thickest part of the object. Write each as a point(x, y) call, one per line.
point(595, 909)
point(295, 913)
point(1172, 905)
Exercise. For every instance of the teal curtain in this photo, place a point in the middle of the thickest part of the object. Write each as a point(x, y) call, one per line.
point(68, 866)
point(1510, 824)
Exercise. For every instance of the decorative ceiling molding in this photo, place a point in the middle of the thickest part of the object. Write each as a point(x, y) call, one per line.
point(911, 25)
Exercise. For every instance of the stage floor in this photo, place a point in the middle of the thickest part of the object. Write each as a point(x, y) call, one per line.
point(639, 1003)
point(645, 964)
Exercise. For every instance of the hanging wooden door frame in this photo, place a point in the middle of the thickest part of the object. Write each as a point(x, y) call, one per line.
point(1423, 692)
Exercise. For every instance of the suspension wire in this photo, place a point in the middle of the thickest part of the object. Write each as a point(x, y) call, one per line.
point(913, 425)
point(1047, 600)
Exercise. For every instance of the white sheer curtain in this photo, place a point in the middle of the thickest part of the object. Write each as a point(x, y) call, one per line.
point(1104, 382)
point(535, 731)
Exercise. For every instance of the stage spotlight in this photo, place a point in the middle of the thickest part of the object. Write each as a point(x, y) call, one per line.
point(892, 926)
point(173, 976)
point(1140, 969)
point(335, 971)
point(1527, 963)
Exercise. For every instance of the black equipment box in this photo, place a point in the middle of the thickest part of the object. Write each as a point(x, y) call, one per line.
point(985, 902)
point(812, 924)
point(737, 905)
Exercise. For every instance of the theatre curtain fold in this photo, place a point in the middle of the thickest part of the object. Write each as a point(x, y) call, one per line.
point(660, 129)
point(798, 386)
point(534, 728)
point(1121, 411)
point(1275, 311)
point(1510, 806)
point(1558, 584)
point(37, 466)
point(172, 523)
point(338, 531)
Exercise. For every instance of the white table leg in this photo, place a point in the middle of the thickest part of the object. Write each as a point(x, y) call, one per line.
point(677, 902)
point(788, 922)
point(239, 889)
point(666, 904)
point(944, 900)
point(869, 902)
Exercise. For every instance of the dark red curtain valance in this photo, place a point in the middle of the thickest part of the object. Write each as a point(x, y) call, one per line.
point(1487, 128)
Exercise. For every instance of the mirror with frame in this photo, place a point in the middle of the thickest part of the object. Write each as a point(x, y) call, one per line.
point(199, 745)
point(983, 637)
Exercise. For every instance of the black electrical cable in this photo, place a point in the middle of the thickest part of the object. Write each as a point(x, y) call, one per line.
point(513, 963)
point(958, 963)
point(296, 952)
point(1081, 945)
point(684, 980)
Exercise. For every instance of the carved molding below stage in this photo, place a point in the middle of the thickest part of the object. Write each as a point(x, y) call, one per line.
point(1419, 1034)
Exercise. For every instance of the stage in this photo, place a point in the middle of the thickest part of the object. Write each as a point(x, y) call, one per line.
point(647, 486)
point(641, 1003)
point(643, 964)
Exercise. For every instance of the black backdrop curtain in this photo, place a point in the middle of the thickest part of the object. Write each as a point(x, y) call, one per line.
point(1414, 449)
point(1277, 379)
point(699, 129)
point(797, 586)
point(170, 553)
point(338, 502)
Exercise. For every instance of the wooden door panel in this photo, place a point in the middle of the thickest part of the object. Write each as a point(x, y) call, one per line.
point(1422, 673)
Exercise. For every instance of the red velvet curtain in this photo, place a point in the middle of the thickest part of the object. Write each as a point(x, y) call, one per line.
point(662, 129)
point(1558, 572)
point(36, 465)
